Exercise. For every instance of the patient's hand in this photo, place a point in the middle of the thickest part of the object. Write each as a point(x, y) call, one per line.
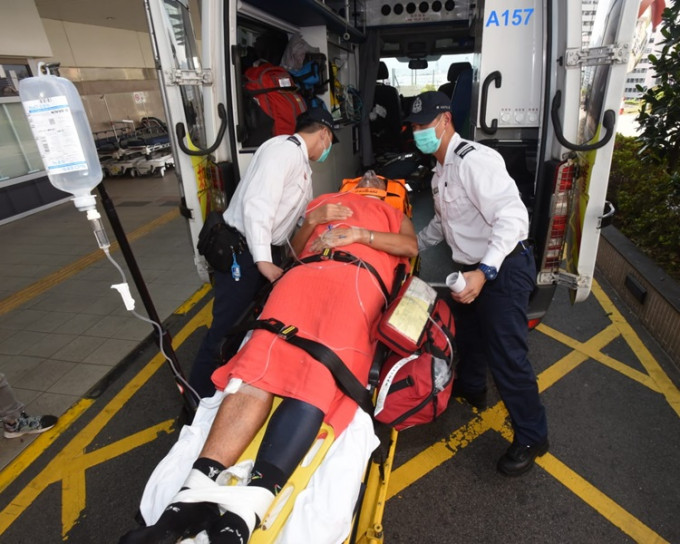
point(337, 238)
point(327, 213)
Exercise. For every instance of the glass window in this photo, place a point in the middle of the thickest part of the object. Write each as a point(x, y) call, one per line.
point(413, 82)
point(18, 151)
point(10, 75)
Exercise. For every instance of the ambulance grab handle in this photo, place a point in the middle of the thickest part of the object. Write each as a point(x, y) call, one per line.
point(607, 122)
point(498, 79)
point(200, 152)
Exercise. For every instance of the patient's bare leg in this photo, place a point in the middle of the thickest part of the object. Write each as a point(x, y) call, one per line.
point(238, 419)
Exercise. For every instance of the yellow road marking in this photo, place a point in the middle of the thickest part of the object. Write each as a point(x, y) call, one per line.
point(41, 443)
point(194, 299)
point(597, 500)
point(665, 386)
point(495, 418)
point(492, 418)
point(606, 360)
point(68, 465)
point(45, 284)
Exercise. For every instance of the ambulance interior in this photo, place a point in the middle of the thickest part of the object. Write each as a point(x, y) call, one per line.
point(380, 55)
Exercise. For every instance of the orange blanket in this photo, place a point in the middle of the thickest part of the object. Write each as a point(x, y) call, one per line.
point(334, 303)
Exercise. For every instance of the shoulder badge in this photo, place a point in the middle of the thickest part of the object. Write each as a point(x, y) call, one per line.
point(463, 149)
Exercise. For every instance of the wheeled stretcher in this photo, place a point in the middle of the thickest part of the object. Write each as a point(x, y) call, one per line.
point(336, 494)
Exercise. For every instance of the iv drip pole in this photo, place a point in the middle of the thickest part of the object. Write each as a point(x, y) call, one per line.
point(190, 401)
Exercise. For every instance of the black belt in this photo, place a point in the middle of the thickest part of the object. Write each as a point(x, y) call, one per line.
point(521, 247)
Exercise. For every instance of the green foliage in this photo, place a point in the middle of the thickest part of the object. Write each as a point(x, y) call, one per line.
point(647, 200)
point(659, 116)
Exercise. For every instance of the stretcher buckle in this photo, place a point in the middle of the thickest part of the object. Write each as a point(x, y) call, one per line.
point(326, 254)
point(282, 330)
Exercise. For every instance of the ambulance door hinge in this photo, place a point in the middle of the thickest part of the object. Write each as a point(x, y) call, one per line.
point(561, 277)
point(593, 56)
point(188, 77)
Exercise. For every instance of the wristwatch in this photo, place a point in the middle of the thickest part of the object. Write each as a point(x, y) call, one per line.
point(490, 272)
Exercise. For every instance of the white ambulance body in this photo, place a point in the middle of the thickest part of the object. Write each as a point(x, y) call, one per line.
point(531, 91)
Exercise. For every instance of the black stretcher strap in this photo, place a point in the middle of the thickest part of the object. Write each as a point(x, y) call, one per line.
point(348, 382)
point(345, 257)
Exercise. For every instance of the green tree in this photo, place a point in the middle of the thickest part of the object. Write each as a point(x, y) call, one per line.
point(659, 116)
point(647, 203)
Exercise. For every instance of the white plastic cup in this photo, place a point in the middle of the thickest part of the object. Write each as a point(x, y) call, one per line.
point(455, 281)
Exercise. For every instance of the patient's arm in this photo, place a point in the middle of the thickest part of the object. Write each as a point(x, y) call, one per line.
point(403, 244)
point(318, 216)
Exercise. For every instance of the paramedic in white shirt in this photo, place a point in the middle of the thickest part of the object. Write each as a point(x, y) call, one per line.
point(263, 213)
point(480, 215)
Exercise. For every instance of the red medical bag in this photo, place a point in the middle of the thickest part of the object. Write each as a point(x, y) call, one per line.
point(274, 90)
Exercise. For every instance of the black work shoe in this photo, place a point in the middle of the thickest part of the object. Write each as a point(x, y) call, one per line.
point(519, 459)
point(475, 398)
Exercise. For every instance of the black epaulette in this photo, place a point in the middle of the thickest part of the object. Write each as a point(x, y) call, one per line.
point(294, 140)
point(463, 149)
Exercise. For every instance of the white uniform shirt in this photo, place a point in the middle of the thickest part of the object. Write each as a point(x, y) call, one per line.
point(272, 195)
point(478, 208)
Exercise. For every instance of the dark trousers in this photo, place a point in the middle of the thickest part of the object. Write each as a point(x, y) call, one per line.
point(492, 332)
point(232, 298)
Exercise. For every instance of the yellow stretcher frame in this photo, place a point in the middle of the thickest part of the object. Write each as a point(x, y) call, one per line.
point(367, 526)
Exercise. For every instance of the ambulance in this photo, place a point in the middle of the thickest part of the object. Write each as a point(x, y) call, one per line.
point(519, 75)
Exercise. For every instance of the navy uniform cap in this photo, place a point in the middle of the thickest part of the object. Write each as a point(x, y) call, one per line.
point(427, 106)
point(317, 115)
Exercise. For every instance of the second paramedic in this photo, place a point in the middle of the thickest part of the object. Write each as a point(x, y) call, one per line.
point(262, 214)
point(480, 215)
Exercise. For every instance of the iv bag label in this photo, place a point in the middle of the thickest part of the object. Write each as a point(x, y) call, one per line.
point(55, 133)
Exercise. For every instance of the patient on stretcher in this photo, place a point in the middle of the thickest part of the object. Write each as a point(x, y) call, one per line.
point(331, 302)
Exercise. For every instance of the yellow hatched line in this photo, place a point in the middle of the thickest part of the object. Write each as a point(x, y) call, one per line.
point(495, 418)
point(45, 284)
point(492, 418)
point(596, 355)
point(664, 384)
point(41, 443)
point(69, 465)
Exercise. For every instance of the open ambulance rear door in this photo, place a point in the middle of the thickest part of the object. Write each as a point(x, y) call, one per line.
point(197, 110)
point(585, 90)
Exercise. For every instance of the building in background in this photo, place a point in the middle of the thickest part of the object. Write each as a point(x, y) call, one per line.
point(643, 73)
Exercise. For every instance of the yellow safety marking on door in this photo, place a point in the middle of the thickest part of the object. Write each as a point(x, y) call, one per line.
point(45, 284)
point(70, 464)
point(495, 419)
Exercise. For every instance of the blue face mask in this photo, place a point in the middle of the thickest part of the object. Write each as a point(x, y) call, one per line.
point(426, 139)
